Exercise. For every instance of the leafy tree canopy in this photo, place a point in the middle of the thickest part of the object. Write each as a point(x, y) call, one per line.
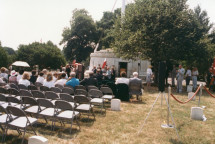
point(3, 57)
point(79, 40)
point(43, 54)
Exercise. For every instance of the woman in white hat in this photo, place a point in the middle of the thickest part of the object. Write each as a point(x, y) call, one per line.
point(13, 78)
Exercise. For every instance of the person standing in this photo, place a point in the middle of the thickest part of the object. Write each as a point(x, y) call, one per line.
point(188, 76)
point(180, 78)
point(149, 76)
point(195, 73)
point(173, 74)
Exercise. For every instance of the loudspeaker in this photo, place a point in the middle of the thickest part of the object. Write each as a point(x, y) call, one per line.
point(161, 75)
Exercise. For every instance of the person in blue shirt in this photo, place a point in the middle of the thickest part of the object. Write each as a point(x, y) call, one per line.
point(72, 81)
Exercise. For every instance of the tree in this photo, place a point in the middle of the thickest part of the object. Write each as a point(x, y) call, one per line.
point(11, 54)
point(79, 40)
point(3, 57)
point(160, 30)
point(43, 54)
point(105, 28)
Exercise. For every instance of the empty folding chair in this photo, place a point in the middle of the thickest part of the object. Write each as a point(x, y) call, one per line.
point(23, 92)
point(38, 85)
point(67, 112)
point(13, 91)
point(68, 98)
point(69, 86)
point(12, 85)
point(97, 99)
point(21, 122)
point(32, 105)
point(44, 88)
point(3, 119)
point(32, 87)
point(80, 87)
point(59, 86)
point(84, 106)
point(3, 90)
point(56, 90)
point(52, 96)
point(48, 112)
point(80, 92)
point(21, 86)
point(3, 101)
point(107, 92)
point(38, 94)
point(13, 101)
point(91, 87)
point(68, 90)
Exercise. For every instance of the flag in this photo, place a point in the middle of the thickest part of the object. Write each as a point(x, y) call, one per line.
point(104, 63)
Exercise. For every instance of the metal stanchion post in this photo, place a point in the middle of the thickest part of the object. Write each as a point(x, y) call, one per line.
point(167, 125)
point(200, 94)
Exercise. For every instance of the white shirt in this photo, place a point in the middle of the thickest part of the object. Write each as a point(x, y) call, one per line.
point(1, 81)
point(54, 79)
point(122, 80)
point(195, 73)
point(19, 77)
point(24, 82)
point(149, 71)
point(48, 84)
point(188, 73)
point(4, 75)
point(61, 82)
point(40, 79)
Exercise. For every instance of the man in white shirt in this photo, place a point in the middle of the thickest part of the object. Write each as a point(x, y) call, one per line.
point(180, 78)
point(40, 78)
point(123, 79)
point(62, 81)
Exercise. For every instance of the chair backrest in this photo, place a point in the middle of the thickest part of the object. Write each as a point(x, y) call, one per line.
point(3, 90)
point(91, 87)
point(80, 87)
point(29, 100)
point(13, 91)
point(68, 90)
point(55, 89)
point(23, 92)
point(15, 111)
point(12, 85)
point(66, 97)
point(45, 103)
point(32, 87)
point(59, 86)
point(80, 92)
point(69, 86)
point(106, 90)
point(38, 84)
point(81, 99)
point(3, 110)
point(94, 93)
point(2, 97)
point(21, 86)
point(63, 105)
point(51, 95)
point(3, 84)
point(11, 99)
point(38, 94)
point(44, 88)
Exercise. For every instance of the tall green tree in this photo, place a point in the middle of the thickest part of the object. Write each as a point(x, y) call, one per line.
point(3, 57)
point(43, 54)
point(160, 30)
point(79, 40)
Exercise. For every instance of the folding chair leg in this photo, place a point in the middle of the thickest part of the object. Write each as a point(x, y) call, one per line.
point(76, 119)
point(71, 126)
point(23, 136)
point(33, 129)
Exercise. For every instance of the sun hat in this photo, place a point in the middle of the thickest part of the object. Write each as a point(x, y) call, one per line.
point(13, 73)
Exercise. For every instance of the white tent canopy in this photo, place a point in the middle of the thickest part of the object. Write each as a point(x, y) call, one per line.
point(20, 64)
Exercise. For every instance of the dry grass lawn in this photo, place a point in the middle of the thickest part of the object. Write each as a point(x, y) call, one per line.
point(122, 127)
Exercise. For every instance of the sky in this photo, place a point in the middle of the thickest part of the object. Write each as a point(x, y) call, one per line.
point(28, 21)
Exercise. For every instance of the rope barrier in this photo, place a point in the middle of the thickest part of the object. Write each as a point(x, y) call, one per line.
point(209, 92)
point(188, 99)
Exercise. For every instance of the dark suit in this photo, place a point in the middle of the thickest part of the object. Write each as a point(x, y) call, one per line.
point(135, 86)
point(89, 81)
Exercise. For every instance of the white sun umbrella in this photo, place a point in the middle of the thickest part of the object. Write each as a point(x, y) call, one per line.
point(20, 64)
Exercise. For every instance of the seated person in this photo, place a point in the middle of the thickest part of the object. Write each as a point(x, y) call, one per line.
point(72, 81)
point(123, 79)
point(48, 82)
point(25, 79)
point(40, 78)
point(13, 78)
point(135, 86)
point(62, 81)
point(89, 81)
point(33, 77)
